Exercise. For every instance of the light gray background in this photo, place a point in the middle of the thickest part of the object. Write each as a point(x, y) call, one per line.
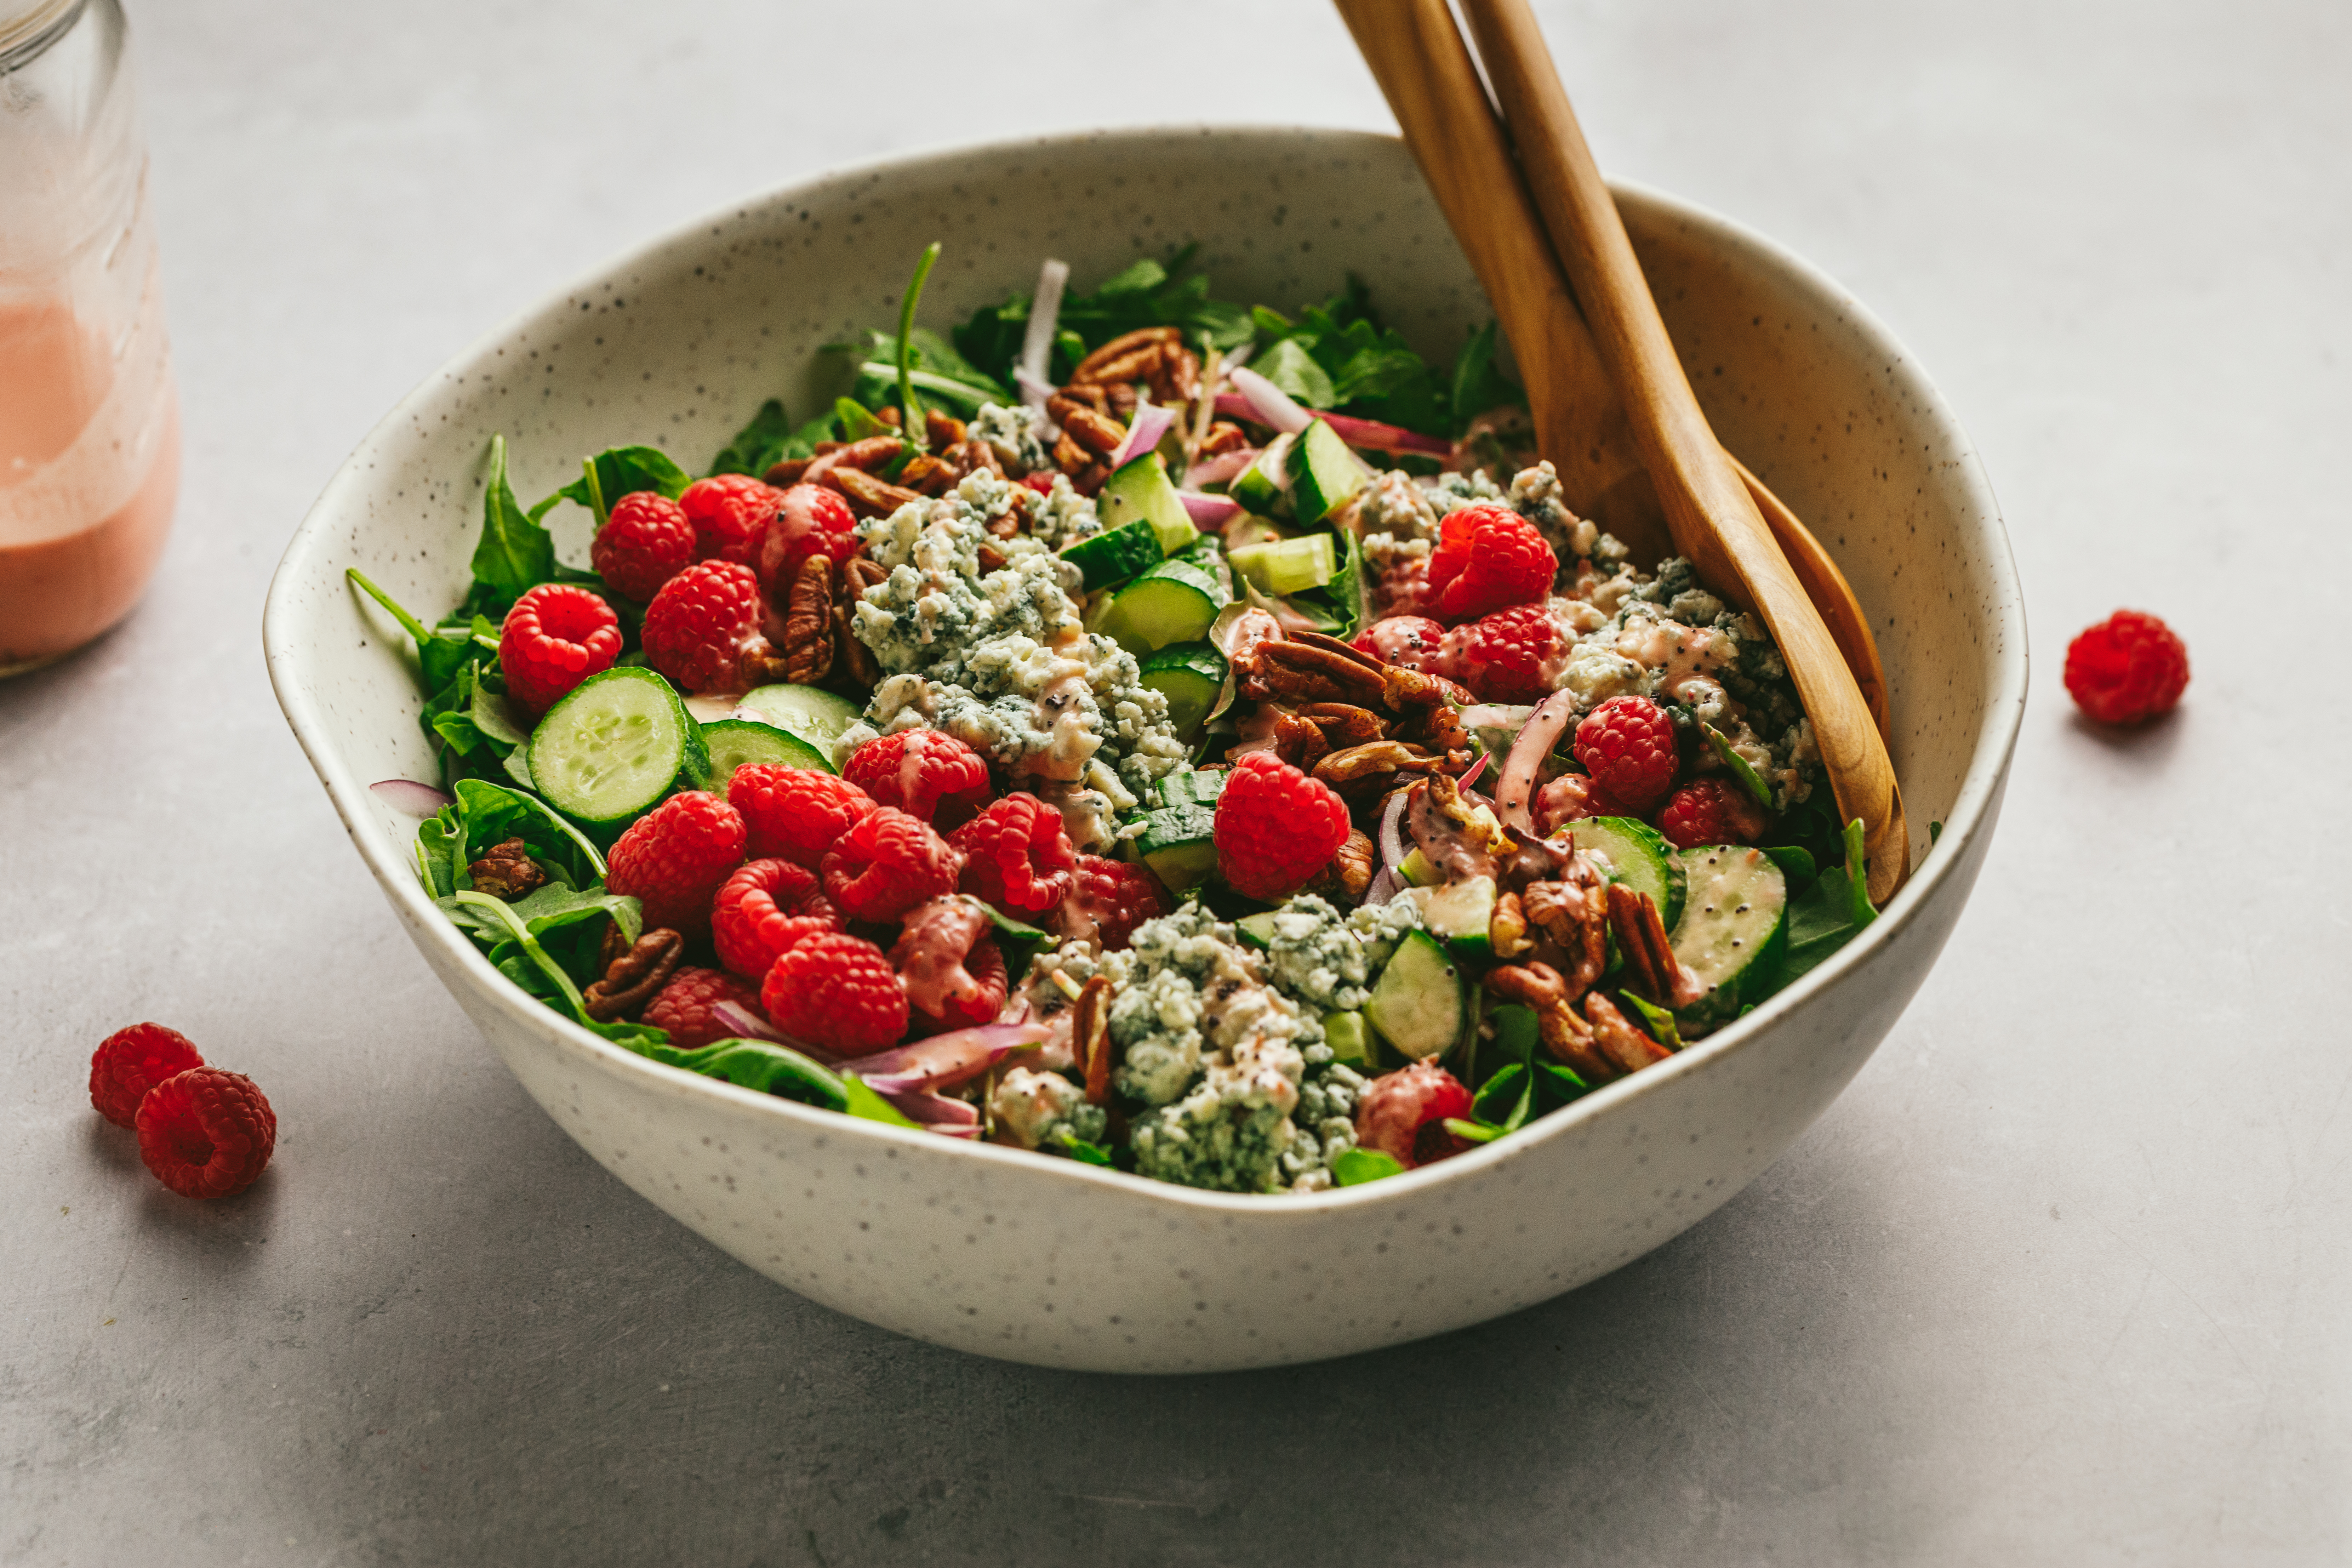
point(2061, 1278)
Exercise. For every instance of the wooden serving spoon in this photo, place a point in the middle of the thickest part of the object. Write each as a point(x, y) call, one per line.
point(1607, 399)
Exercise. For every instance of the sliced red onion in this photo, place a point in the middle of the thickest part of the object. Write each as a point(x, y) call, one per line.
point(1045, 317)
point(1036, 390)
point(1263, 401)
point(746, 1025)
point(1236, 358)
point(1471, 777)
point(1209, 512)
point(1380, 437)
point(937, 1112)
point(1222, 468)
point(1384, 889)
point(1518, 788)
point(945, 1060)
point(1393, 832)
point(410, 798)
point(1143, 432)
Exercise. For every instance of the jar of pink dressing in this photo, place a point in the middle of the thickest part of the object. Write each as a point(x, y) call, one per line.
point(89, 431)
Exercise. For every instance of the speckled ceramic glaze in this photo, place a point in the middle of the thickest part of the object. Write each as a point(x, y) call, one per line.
point(1012, 1255)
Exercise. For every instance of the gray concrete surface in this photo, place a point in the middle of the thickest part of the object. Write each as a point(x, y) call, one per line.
point(2061, 1278)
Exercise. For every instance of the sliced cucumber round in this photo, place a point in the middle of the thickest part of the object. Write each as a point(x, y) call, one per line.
point(1191, 675)
point(1461, 914)
point(737, 742)
point(813, 713)
point(1639, 855)
point(614, 744)
point(1288, 566)
point(1733, 927)
point(1324, 473)
point(1173, 602)
point(1416, 1003)
point(1141, 488)
point(1114, 554)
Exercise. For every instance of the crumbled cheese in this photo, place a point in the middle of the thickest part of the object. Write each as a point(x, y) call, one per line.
point(1045, 1108)
point(1013, 433)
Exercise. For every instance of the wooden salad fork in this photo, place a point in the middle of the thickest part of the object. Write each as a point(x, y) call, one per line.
point(1612, 407)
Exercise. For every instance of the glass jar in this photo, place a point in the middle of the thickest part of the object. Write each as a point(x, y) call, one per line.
point(90, 427)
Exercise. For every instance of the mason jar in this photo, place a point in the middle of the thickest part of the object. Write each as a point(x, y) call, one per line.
point(89, 437)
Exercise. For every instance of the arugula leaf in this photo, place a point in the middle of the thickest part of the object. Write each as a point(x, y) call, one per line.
point(758, 446)
point(439, 654)
point(1084, 1153)
point(1478, 384)
point(611, 473)
point(856, 422)
point(1290, 366)
point(440, 842)
point(493, 715)
point(762, 1066)
point(911, 408)
point(491, 814)
point(1831, 913)
point(1796, 865)
point(1657, 1020)
point(1144, 293)
point(1740, 770)
point(1014, 940)
point(515, 554)
point(1357, 1166)
point(866, 1105)
point(1474, 1131)
point(529, 942)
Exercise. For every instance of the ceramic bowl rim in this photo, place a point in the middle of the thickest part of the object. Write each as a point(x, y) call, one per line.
point(283, 618)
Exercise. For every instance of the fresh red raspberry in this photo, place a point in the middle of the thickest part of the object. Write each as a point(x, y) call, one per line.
point(1275, 826)
point(887, 864)
point(924, 774)
point(1410, 641)
point(1111, 897)
point(674, 857)
point(1572, 797)
point(1017, 856)
point(810, 519)
point(646, 542)
point(1627, 745)
point(1402, 1115)
point(1710, 810)
point(2126, 670)
point(951, 967)
point(730, 513)
point(1041, 480)
point(128, 1062)
point(763, 909)
point(556, 637)
point(1488, 557)
point(698, 624)
point(683, 1007)
point(206, 1133)
point(838, 992)
point(1507, 656)
point(796, 813)
point(1403, 590)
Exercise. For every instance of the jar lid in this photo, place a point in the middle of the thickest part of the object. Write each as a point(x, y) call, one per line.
point(29, 26)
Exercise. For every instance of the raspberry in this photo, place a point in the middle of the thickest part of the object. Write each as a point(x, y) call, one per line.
point(796, 813)
point(645, 542)
point(924, 774)
point(730, 514)
point(1403, 590)
point(1627, 745)
point(1017, 855)
point(887, 864)
point(556, 637)
point(1115, 897)
point(1710, 810)
point(810, 520)
point(1403, 1114)
point(953, 972)
point(674, 857)
point(684, 1005)
point(698, 624)
point(1041, 480)
point(128, 1062)
point(1507, 656)
point(1572, 797)
point(763, 909)
point(1411, 641)
point(206, 1133)
point(838, 992)
point(1488, 557)
point(1275, 826)
point(2126, 670)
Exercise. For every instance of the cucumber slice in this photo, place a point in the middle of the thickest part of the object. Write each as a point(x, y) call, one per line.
point(1416, 871)
point(1416, 1003)
point(1179, 844)
point(1639, 855)
point(614, 744)
point(815, 715)
point(1264, 486)
point(1251, 528)
point(1191, 675)
point(1287, 565)
point(1141, 488)
point(1257, 930)
point(1174, 602)
point(737, 742)
point(1324, 473)
point(1114, 554)
point(1734, 928)
point(1192, 786)
point(1461, 913)
point(1344, 1034)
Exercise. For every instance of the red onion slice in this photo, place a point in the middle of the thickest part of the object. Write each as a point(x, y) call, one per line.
point(1045, 317)
point(1143, 432)
point(1518, 788)
point(937, 1112)
point(1477, 768)
point(1263, 401)
point(1380, 437)
point(409, 798)
point(1034, 392)
point(1222, 468)
point(1209, 512)
point(1393, 832)
point(746, 1025)
point(1384, 889)
point(945, 1060)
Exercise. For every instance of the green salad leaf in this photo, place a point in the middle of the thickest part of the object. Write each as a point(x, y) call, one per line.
point(761, 445)
point(514, 554)
point(1357, 1166)
point(763, 1066)
point(615, 473)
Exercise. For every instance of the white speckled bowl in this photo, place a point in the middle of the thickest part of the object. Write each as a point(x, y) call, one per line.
point(1047, 1261)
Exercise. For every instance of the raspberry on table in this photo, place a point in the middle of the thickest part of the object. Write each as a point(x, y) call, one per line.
point(923, 773)
point(764, 907)
point(810, 519)
point(1113, 898)
point(1507, 656)
point(1628, 746)
point(646, 542)
point(795, 813)
point(128, 1062)
point(2127, 669)
point(673, 858)
point(556, 637)
point(1017, 856)
point(683, 1007)
point(1275, 826)
point(696, 626)
point(206, 1133)
point(838, 992)
point(948, 965)
point(887, 864)
point(730, 513)
point(1488, 557)
point(1410, 642)
point(1710, 810)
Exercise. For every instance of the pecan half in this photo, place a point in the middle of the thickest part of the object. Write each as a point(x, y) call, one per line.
point(941, 431)
point(1090, 1037)
point(1344, 723)
point(973, 454)
point(1179, 378)
point(870, 497)
point(1656, 972)
point(1146, 362)
point(760, 661)
point(1506, 929)
point(1566, 1037)
point(858, 575)
point(873, 452)
point(927, 475)
point(506, 870)
point(1344, 879)
point(1627, 1047)
point(808, 623)
point(1224, 436)
point(1297, 671)
point(1299, 741)
point(1092, 368)
point(788, 472)
point(1377, 757)
point(631, 980)
point(1575, 921)
point(1091, 431)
